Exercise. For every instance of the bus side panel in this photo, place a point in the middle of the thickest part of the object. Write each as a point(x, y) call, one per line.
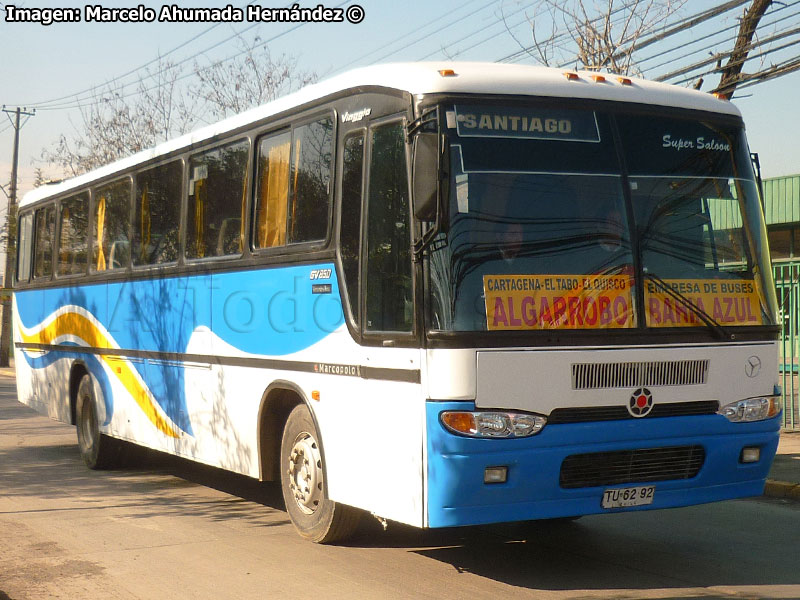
point(370, 427)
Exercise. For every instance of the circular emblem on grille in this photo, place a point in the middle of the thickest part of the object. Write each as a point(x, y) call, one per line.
point(752, 366)
point(641, 403)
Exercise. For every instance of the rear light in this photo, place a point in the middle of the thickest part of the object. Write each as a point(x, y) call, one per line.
point(492, 424)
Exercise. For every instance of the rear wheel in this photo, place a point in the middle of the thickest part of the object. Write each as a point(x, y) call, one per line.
point(303, 484)
point(97, 450)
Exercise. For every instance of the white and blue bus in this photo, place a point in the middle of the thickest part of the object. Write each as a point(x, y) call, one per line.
point(442, 294)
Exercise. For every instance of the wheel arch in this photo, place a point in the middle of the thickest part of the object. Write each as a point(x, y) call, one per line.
point(76, 373)
point(278, 400)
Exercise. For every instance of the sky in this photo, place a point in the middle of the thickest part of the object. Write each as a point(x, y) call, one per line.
point(42, 63)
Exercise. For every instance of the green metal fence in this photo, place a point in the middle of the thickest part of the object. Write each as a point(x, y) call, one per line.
point(787, 283)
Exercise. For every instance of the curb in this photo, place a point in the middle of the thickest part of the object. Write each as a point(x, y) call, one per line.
point(782, 489)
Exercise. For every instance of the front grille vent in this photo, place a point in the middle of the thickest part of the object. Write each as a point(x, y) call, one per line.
point(631, 466)
point(588, 414)
point(591, 376)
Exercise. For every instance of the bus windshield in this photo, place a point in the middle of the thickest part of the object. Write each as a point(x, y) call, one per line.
point(582, 219)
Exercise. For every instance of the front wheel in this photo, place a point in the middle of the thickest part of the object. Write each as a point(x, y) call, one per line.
point(315, 517)
point(97, 450)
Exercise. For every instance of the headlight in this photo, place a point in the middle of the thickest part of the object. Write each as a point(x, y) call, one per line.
point(752, 409)
point(492, 424)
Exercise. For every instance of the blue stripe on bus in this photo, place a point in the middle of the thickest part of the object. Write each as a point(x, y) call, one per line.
point(457, 494)
point(92, 364)
point(269, 312)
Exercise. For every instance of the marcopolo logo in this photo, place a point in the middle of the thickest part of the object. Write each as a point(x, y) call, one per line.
point(640, 403)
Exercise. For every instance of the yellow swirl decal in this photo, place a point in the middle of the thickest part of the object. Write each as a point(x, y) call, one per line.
point(79, 326)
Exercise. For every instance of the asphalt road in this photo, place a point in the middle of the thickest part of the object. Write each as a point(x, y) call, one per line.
point(166, 528)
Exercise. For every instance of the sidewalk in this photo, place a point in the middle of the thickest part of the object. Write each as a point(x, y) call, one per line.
point(784, 477)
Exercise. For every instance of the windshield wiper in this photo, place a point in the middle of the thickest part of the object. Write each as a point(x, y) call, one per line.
point(706, 318)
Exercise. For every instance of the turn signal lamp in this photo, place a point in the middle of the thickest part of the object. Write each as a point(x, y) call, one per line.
point(752, 409)
point(492, 424)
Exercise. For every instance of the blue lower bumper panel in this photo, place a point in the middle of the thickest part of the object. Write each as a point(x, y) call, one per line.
point(457, 494)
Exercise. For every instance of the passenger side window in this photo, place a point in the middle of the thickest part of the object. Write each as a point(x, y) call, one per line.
point(25, 249)
point(45, 226)
point(111, 248)
point(217, 183)
point(389, 305)
point(72, 245)
point(157, 218)
point(293, 185)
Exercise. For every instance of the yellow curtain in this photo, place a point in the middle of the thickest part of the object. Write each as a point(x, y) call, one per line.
point(144, 226)
point(200, 193)
point(274, 193)
point(101, 226)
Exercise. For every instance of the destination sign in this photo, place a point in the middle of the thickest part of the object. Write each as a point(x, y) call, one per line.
point(727, 301)
point(528, 302)
point(526, 123)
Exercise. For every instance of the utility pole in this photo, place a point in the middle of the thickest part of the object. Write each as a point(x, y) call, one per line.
point(732, 71)
point(11, 221)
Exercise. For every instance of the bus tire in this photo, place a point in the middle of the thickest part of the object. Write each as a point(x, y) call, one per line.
point(315, 517)
point(97, 449)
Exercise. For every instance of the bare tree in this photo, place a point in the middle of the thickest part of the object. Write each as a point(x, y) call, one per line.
point(252, 78)
point(597, 37)
point(115, 124)
point(169, 102)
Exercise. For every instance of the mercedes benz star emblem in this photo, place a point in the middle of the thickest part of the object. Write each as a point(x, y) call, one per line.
point(752, 366)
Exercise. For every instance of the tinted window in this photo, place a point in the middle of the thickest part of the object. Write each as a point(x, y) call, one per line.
point(25, 248)
point(350, 237)
point(311, 174)
point(111, 246)
point(217, 181)
point(72, 244)
point(273, 190)
point(157, 217)
point(293, 185)
point(45, 225)
point(388, 268)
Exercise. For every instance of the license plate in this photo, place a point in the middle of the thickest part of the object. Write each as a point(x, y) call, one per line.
point(632, 496)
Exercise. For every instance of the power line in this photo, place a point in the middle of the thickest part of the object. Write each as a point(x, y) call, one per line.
point(706, 37)
point(475, 32)
point(405, 35)
point(88, 94)
point(80, 103)
point(719, 57)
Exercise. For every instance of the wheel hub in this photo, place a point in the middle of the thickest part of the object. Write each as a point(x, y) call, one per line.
point(305, 473)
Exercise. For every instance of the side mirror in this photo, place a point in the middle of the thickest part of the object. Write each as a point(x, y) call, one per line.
point(425, 174)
